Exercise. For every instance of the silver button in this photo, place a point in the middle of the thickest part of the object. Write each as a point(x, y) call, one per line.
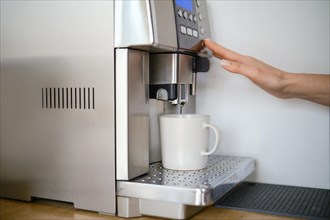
point(190, 17)
point(195, 33)
point(189, 31)
point(185, 15)
point(180, 13)
point(202, 31)
point(200, 16)
point(183, 29)
point(198, 3)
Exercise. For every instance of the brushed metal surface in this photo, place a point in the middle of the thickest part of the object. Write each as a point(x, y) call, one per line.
point(145, 24)
point(163, 22)
point(170, 68)
point(132, 113)
point(60, 154)
point(168, 210)
point(164, 68)
point(132, 207)
point(185, 69)
point(68, 154)
point(128, 207)
point(197, 188)
point(133, 24)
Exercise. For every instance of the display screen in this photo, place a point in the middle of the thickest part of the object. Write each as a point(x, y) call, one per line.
point(186, 4)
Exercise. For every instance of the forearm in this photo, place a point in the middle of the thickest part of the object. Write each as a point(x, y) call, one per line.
point(312, 87)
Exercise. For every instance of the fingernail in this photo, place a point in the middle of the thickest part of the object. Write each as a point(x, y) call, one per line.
point(225, 63)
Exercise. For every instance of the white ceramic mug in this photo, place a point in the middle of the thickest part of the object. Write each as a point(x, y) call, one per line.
point(184, 141)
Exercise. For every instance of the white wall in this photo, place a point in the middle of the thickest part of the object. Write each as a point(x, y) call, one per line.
point(288, 138)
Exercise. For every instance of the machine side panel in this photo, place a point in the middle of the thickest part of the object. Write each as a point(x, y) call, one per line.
point(121, 114)
point(132, 113)
point(57, 102)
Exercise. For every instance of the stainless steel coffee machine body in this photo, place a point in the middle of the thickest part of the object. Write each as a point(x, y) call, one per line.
point(82, 86)
point(159, 41)
point(161, 78)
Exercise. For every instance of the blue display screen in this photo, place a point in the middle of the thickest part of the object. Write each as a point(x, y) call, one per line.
point(186, 4)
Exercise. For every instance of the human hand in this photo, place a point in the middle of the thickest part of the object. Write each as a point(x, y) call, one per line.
point(265, 76)
point(311, 87)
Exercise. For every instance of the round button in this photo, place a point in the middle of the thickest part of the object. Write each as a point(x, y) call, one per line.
point(202, 31)
point(185, 15)
point(200, 16)
point(195, 18)
point(190, 17)
point(180, 13)
point(198, 3)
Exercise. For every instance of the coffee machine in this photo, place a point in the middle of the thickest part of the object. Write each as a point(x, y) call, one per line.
point(83, 84)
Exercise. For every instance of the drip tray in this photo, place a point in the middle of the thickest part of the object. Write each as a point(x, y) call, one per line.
point(197, 188)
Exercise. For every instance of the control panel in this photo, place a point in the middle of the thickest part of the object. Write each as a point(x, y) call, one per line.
point(191, 22)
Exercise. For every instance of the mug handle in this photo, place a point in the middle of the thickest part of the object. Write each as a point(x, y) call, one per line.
point(217, 139)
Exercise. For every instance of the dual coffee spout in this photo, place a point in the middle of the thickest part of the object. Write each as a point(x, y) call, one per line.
point(173, 76)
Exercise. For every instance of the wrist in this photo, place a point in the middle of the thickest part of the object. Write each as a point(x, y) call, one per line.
point(286, 82)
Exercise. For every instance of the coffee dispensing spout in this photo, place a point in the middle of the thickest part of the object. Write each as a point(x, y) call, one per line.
point(173, 76)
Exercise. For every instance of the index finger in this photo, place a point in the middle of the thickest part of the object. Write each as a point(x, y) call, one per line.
point(221, 52)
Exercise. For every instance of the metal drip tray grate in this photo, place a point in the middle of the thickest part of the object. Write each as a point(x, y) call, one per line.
point(199, 188)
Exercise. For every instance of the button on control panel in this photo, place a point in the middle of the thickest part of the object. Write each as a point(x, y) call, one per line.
point(195, 33)
point(180, 13)
point(192, 23)
point(183, 30)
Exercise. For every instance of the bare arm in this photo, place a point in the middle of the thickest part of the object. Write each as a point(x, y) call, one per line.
point(312, 87)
